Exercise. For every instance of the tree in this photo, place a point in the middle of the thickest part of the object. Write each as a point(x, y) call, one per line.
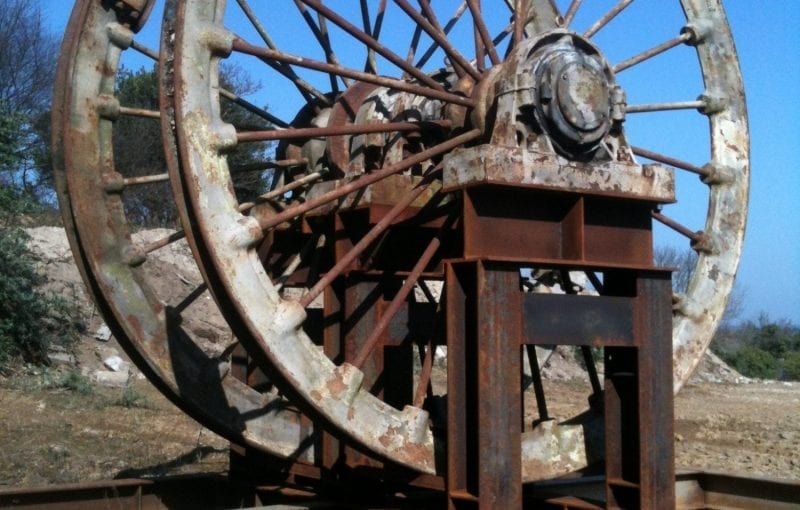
point(683, 261)
point(138, 148)
point(27, 63)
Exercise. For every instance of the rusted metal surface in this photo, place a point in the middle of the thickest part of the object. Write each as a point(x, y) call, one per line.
point(146, 328)
point(533, 158)
point(694, 490)
point(562, 155)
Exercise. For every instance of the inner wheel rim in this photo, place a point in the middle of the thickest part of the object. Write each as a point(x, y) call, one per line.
point(335, 392)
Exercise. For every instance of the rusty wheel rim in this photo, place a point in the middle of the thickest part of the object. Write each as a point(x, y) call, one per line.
point(230, 239)
point(89, 191)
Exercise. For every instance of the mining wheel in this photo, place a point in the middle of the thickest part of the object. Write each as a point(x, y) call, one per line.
point(193, 374)
point(389, 111)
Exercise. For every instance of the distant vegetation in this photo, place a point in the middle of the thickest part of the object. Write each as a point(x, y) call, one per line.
point(764, 349)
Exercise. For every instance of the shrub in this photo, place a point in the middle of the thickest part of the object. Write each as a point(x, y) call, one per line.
point(29, 319)
point(791, 366)
point(754, 362)
point(77, 382)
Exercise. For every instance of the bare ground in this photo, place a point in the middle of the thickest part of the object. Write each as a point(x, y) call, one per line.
point(52, 435)
point(57, 427)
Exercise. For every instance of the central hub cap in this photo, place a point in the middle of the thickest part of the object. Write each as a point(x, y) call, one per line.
point(572, 92)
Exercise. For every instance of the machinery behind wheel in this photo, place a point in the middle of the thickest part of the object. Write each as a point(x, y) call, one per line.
point(430, 167)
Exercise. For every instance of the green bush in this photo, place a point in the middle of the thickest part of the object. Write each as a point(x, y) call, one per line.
point(754, 362)
point(29, 320)
point(791, 366)
point(77, 382)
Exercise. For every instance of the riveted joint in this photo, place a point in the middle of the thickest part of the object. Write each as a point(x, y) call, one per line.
point(716, 174)
point(683, 306)
point(697, 31)
point(619, 102)
point(678, 299)
point(224, 138)
point(712, 103)
point(113, 183)
point(702, 243)
point(107, 107)
point(120, 35)
point(218, 40)
point(133, 256)
point(246, 234)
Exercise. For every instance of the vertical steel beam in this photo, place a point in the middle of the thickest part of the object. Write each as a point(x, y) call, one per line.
point(640, 460)
point(484, 306)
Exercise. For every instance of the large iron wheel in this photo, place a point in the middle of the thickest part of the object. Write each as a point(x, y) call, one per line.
point(363, 137)
point(199, 381)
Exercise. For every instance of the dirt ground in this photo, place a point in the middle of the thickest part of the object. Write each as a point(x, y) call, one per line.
point(51, 434)
point(62, 424)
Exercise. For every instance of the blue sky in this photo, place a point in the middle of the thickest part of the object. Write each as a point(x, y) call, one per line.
point(767, 40)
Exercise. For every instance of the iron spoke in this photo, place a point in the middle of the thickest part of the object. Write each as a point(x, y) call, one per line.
point(599, 24)
point(431, 27)
point(446, 30)
point(652, 52)
point(320, 32)
point(407, 287)
point(366, 180)
point(695, 237)
point(571, 11)
point(370, 42)
point(351, 129)
point(662, 107)
point(283, 68)
point(268, 55)
point(480, 25)
point(667, 160)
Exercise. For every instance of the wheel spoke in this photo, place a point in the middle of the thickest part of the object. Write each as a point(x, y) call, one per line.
point(189, 299)
point(538, 387)
point(139, 112)
point(268, 165)
point(372, 43)
point(269, 55)
point(230, 96)
point(462, 8)
point(596, 283)
point(401, 296)
point(351, 129)
point(652, 52)
point(599, 24)
point(164, 241)
point(571, 11)
point(385, 222)
point(283, 68)
point(677, 163)
point(431, 27)
point(662, 107)
point(311, 244)
point(144, 50)
point(145, 179)
point(519, 10)
point(425, 375)
point(320, 31)
point(307, 179)
point(480, 26)
point(695, 237)
point(366, 180)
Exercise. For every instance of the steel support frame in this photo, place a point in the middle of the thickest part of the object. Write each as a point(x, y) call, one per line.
point(490, 319)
